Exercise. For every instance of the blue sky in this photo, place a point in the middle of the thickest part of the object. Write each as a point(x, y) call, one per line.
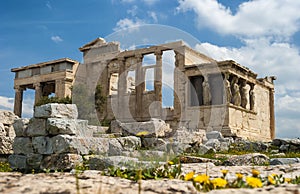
point(261, 34)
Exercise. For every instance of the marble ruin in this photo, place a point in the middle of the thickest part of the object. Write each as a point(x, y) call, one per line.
point(207, 94)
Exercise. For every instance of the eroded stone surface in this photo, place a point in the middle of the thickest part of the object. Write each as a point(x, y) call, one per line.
point(55, 110)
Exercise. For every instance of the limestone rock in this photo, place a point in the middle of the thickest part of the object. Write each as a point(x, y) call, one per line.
point(18, 161)
point(247, 159)
point(23, 145)
point(56, 126)
point(189, 137)
point(101, 163)
point(61, 161)
point(152, 142)
point(194, 159)
point(152, 128)
point(10, 132)
point(6, 145)
point(213, 143)
point(42, 145)
point(55, 110)
point(36, 127)
point(282, 161)
point(20, 127)
point(2, 130)
point(34, 160)
point(115, 148)
point(130, 142)
point(214, 135)
point(69, 144)
point(7, 117)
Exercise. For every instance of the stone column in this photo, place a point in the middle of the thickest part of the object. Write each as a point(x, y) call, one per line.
point(18, 101)
point(158, 84)
point(122, 86)
point(272, 113)
point(179, 85)
point(38, 92)
point(252, 97)
point(139, 88)
point(59, 88)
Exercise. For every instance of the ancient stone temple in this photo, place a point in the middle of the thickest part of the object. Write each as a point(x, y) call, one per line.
point(206, 94)
point(55, 76)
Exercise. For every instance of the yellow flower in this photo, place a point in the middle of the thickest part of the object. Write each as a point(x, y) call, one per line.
point(202, 178)
point(189, 176)
point(239, 176)
point(255, 173)
point(288, 180)
point(142, 133)
point(271, 180)
point(254, 182)
point(224, 172)
point(273, 175)
point(170, 162)
point(219, 182)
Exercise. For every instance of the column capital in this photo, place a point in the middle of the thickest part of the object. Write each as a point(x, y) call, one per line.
point(158, 53)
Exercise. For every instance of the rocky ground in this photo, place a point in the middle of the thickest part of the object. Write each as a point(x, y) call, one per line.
point(91, 181)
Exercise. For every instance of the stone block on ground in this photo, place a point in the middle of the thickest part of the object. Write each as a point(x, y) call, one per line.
point(130, 142)
point(17, 161)
point(7, 117)
point(6, 145)
point(10, 132)
point(283, 161)
point(55, 110)
point(188, 136)
point(36, 127)
point(101, 163)
point(152, 128)
point(61, 161)
point(34, 160)
point(20, 127)
point(214, 135)
point(115, 148)
point(152, 142)
point(247, 159)
point(23, 145)
point(56, 126)
point(69, 144)
point(194, 159)
point(42, 145)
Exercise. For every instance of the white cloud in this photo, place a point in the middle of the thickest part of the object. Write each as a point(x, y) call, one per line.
point(150, 2)
point(253, 18)
point(8, 104)
point(129, 24)
point(153, 15)
point(133, 11)
point(56, 39)
point(49, 5)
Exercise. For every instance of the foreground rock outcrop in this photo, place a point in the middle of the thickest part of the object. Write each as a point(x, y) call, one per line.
point(7, 132)
point(91, 181)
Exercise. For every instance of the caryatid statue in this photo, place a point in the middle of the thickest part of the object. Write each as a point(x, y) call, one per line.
point(206, 92)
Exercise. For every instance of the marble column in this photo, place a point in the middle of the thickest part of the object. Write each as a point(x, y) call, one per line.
point(122, 86)
point(18, 101)
point(38, 92)
point(158, 84)
point(139, 87)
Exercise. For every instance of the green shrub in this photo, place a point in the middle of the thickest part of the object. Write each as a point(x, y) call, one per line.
point(47, 100)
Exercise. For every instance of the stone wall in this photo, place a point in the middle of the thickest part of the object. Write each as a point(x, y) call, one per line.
point(7, 133)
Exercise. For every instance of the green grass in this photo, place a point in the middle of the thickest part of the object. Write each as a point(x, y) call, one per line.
point(4, 167)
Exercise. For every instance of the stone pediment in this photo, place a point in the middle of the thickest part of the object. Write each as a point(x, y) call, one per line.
point(95, 43)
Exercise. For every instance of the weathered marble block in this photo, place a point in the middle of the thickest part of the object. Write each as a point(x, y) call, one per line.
point(152, 128)
point(23, 145)
point(20, 127)
point(7, 117)
point(6, 145)
point(61, 161)
point(69, 144)
point(42, 145)
point(55, 110)
point(17, 161)
point(56, 126)
point(36, 127)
